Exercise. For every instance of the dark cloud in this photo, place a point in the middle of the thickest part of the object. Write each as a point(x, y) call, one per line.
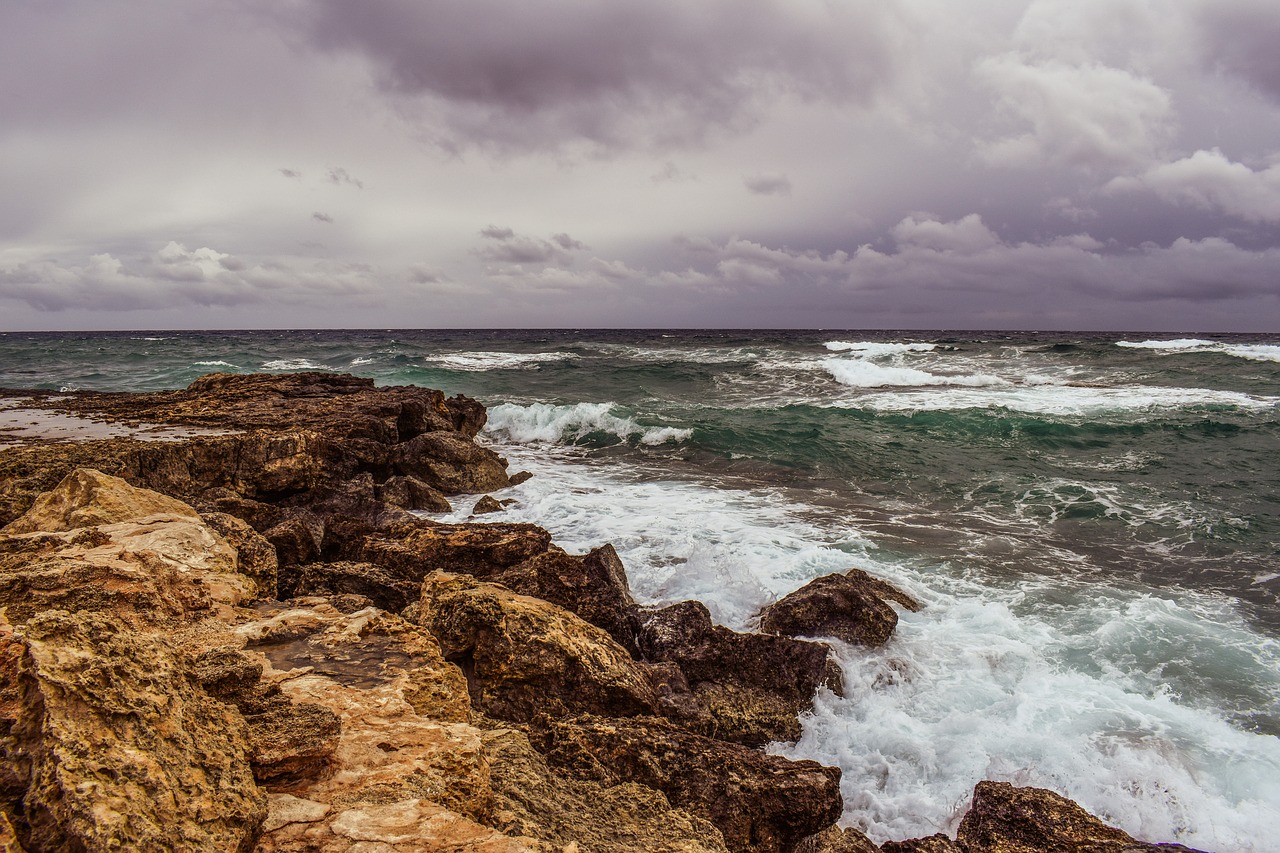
point(341, 176)
point(622, 74)
point(1242, 38)
point(320, 216)
point(768, 184)
point(293, 174)
point(493, 232)
point(518, 249)
point(564, 241)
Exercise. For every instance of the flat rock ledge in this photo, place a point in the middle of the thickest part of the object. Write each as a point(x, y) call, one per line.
point(241, 637)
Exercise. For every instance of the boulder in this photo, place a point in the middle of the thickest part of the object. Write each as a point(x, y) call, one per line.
point(114, 747)
point(414, 551)
point(412, 493)
point(345, 577)
point(486, 505)
point(255, 555)
point(753, 686)
point(593, 586)
point(1007, 819)
point(523, 656)
point(853, 607)
point(760, 803)
point(451, 463)
point(87, 498)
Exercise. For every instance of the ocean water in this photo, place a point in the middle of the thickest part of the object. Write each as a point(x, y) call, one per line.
point(1093, 522)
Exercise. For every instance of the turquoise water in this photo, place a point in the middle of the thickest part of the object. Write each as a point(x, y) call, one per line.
point(1092, 519)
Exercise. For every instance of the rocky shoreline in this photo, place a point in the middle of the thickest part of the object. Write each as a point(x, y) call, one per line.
point(225, 628)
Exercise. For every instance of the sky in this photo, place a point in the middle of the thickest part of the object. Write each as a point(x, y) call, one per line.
point(892, 164)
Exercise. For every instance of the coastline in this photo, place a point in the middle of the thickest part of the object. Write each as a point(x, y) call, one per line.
point(631, 702)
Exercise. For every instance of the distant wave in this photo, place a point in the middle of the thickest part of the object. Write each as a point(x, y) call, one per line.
point(548, 424)
point(866, 374)
point(217, 364)
point(498, 360)
point(875, 348)
point(1060, 400)
point(1252, 352)
point(292, 364)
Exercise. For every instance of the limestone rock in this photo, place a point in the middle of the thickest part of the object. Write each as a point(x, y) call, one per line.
point(593, 586)
point(852, 607)
point(752, 685)
point(523, 656)
point(414, 551)
point(115, 748)
point(836, 840)
point(1006, 819)
point(383, 588)
point(486, 505)
point(87, 498)
point(938, 843)
point(760, 803)
point(256, 557)
point(451, 463)
point(412, 493)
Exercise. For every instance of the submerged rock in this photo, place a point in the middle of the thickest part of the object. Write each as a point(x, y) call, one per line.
point(853, 607)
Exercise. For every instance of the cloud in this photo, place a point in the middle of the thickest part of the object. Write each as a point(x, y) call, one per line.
point(1209, 180)
point(1090, 116)
point(319, 216)
point(1240, 37)
point(339, 175)
point(292, 174)
point(613, 75)
point(768, 184)
point(671, 173)
point(176, 275)
point(514, 249)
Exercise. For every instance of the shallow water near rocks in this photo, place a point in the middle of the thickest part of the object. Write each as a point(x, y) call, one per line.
point(1093, 523)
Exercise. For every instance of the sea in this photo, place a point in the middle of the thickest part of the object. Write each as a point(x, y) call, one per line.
point(1091, 520)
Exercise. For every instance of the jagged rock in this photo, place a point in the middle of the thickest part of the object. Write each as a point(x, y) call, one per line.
point(760, 803)
point(852, 607)
point(290, 742)
point(451, 463)
point(482, 550)
point(753, 686)
point(88, 498)
point(8, 836)
point(297, 540)
point(523, 656)
point(833, 839)
point(412, 493)
point(115, 748)
point(531, 799)
point(1006, 819)
point(256, 556)
point(938, 843)
point(593, 586)
point(520, 477)
point(485, 505)
point(378, 584)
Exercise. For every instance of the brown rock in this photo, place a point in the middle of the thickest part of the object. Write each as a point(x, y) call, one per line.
point(593, 586)
point(523, 656)
point(852, 607)
point(378, 584)
point(938, 843)
point(412, 493)
point(256, 556)
point(759, 802)
point(451, 463)
point(1005, 819)
point(116, 749)
point(485, 505)
point(752, 685)
point(520, 477)
point(297, 539)
point(414, 551)
point(87, 498)
point(833, 839)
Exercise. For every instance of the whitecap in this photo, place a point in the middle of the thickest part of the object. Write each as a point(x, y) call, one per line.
point(479, 361)
point(216, 364)
point(1061, 400)
point(1252, 352)
point(360, 360)
point(877, 348)
point(547, 424)
point(292, 364)
point(866, 374)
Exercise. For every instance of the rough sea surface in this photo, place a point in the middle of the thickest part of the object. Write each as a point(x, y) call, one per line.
point(1092, 520)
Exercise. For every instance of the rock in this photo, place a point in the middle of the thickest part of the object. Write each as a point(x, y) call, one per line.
point(753, 686)
point(256, 556)
point(297, 539)
point(760, 803)
point(852, 607)
point(115, 748)
point(523, 656)
point(531, 799)
point(1006, 819)
point(593, 586)
point(451, 463)
point(412, 493)
point(414, 551)
point(520, 477)
point(833, 839)
point(88, 498)
point(8, 836)
point(938, 843)
point(379, 585)
point(289, 742)
point(485, 505)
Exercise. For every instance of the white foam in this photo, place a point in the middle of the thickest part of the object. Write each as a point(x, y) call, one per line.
point(548, 424)
point(480, 361)
point(867, 374)
point(1177, 344)
point(1255, 352)
point(216, 364)
point(292, 364)
point(1068, 400)
point(1252, 352)
point(361, 360)
point(1074, 688)
point(877, 348)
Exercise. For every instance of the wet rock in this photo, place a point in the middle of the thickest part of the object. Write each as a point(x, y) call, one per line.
point(593, 586)
point(414, 551)
point(836, 840)
point(938, 843)
point(412, 493)
point(523, 656)
point(759, 802)
point(852, 607)
point(174, 777)
point(256, 556)
point(451, 463)
point(753, 686)
point(485, 505)
point(531, 799)
point(520, 477)
point(87, 498)
point(1006, 819)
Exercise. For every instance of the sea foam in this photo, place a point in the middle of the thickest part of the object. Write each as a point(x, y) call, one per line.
point(480, 361)
point(860, 373)
point(548, 424)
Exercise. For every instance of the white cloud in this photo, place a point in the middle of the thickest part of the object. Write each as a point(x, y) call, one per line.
point(1210, 180)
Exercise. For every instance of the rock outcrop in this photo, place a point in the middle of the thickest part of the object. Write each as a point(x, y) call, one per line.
point(853, 607)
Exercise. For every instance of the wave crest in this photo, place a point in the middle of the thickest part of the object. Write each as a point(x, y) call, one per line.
point(547, 424)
